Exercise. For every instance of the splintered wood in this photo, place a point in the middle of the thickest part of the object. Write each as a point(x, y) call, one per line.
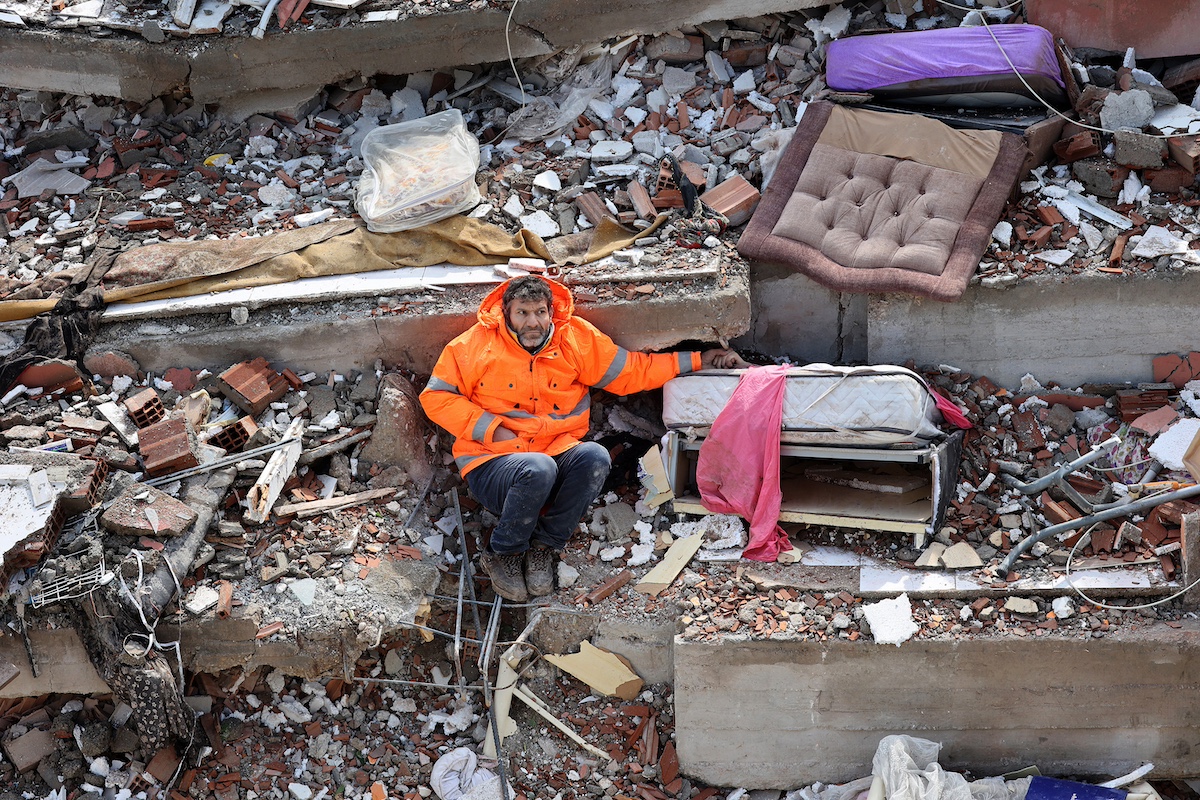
point(607, 673)
point(664, 573)
point(266, 490)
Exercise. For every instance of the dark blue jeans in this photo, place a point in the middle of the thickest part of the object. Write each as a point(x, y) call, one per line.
point(517, 488)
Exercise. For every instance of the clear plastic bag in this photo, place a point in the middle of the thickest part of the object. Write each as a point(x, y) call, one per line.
point(417, 172)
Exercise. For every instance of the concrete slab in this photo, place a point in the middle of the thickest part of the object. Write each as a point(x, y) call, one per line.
point(246, 75)
point(776, 715)
point(1092, 329)
point(323, 639)
point(63, 665)
point(347, 335)
point(75, 63)
point(796, 316)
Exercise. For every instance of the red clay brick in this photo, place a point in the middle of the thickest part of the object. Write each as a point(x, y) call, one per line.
point(252, 385)
point(145, 408)
point(167, 446)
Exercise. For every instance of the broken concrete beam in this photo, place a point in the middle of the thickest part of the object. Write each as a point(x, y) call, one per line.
point(145, 408)
point(142, 510)
point(252, 385)
point(314, 507)
point(167, 446)
point(735, 198)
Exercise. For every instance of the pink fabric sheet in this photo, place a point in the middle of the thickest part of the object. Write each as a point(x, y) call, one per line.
point(738, 468)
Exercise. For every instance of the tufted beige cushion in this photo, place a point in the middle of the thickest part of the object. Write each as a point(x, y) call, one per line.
point(866, 211)
point(864, 201)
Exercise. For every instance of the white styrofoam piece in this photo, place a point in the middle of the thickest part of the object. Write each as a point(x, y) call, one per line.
point(891, 620)
point(1171, 446)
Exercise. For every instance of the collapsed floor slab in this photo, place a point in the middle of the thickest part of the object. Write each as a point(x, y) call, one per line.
point(782, 714)
point(248, 75)
point(1098, 329)
point(353, 335)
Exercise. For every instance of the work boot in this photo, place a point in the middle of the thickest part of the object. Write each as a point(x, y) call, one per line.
point(505, 571)
point(539, 570)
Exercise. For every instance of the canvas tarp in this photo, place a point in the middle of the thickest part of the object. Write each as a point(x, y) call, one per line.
point(343, 247)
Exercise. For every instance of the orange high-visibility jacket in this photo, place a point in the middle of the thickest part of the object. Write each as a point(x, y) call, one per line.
point(485, 377)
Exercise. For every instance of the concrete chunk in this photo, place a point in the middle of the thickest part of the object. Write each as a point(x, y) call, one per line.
point(145, 511)
point(1137, 150)
point(1130, 110)
point(961, 556)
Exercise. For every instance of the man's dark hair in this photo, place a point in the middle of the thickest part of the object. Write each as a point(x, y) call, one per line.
point(528, 287)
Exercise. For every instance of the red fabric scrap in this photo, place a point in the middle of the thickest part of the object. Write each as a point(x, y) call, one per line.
point(738, 468)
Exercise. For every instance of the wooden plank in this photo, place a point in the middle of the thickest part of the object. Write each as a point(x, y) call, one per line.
point(867, 481)
point(314, 507)
point(266, 490)
point(677, 557)
point(692, 505)
point(603, 671)
point(605, 589)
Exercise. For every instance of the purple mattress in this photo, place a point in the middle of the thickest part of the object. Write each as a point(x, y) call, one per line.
point(949, 66)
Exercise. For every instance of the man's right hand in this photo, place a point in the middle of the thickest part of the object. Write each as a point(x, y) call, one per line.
point(502, 434)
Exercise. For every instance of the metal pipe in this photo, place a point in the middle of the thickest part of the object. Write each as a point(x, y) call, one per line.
point(397, 681)
point(1100, 516)
point(1048, 480)
point(227, 461)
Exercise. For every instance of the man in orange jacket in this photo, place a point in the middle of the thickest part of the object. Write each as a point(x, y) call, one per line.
point(514, 392)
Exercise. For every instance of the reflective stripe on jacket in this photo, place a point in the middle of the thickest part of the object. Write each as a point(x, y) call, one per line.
point(484, 378)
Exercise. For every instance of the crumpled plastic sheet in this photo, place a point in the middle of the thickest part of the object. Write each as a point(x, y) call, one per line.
point(908, 769)
point(548, 115)
point(457, 775)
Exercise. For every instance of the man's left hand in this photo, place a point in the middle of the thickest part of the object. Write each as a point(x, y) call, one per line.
point(721, 358)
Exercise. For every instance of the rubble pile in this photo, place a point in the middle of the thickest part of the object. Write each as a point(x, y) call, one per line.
point(581, 139)
point(1119, 193)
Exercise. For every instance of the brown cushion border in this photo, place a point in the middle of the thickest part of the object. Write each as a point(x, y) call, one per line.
point(759, 244)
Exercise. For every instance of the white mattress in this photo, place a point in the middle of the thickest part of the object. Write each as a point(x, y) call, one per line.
point(823, 404)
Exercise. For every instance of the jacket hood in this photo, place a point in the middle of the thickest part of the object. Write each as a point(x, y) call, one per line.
point(491, 310)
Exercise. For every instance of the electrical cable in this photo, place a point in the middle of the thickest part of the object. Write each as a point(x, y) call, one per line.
point(1080, 592)
point(508, 45)
point(1032, 91)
